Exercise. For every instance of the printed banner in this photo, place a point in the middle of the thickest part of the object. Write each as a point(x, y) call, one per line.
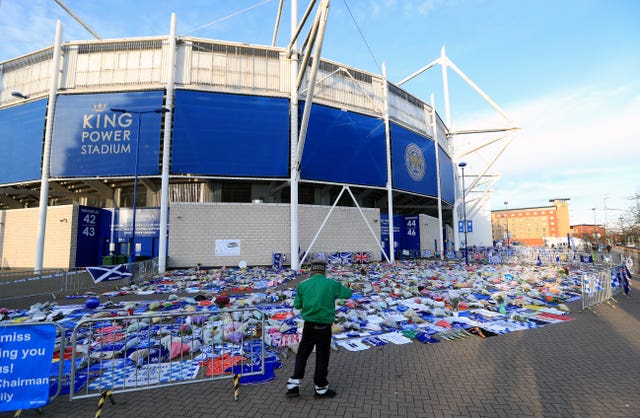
point(227, 247)
point(90, 139)
point(146, 375)
point(344, 147)
point(25, 365)
point(230, 135)
point(447, 181)
point(21, 134)
point(413, 161)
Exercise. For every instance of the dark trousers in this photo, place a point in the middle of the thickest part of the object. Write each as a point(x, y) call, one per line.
point(318, 335)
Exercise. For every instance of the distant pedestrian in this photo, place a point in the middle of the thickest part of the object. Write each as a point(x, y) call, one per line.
point(625, 275)
point(316, 300)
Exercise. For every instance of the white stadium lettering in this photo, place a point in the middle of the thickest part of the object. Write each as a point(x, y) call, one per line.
point(89, 149)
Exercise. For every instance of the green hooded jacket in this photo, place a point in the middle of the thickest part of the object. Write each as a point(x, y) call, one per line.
point(316, 298)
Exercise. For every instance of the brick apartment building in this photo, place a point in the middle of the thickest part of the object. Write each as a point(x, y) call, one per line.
point(532, 226)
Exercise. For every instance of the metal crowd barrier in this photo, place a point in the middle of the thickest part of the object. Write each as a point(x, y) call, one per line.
point(596, 288)
point(80, 280)
point(601, 286)
point(25, 284)
point(145, 351)
point(560, 257)
point(21, 284)
point(28, 378)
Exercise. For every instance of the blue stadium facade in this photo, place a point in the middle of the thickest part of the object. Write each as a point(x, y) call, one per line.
point(225, 138)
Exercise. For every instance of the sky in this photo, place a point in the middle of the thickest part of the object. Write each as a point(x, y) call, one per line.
point(565, 71)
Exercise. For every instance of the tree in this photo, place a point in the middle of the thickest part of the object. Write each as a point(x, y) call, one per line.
point(631, 226)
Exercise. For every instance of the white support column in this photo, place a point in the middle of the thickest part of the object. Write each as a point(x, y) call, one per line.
point(293, 123)
point(387, 134)
point(434, 126)
point(324, 222)
point(277, 25)
point(321, 18)
point(311, 82)
point(166, 150)
point(46, 154)
point(375, 235)
point(444, 62)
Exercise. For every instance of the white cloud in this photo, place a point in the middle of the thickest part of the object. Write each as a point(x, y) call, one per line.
point(579, 144)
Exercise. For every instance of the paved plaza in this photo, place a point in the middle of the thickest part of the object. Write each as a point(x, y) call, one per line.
point(588, 367)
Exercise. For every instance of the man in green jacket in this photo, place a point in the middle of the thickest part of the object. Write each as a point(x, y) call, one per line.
point(316, 300)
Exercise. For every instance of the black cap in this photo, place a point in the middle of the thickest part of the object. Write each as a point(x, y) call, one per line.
point(319, 266)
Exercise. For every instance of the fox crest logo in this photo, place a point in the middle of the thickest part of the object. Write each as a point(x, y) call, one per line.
point(414, 161)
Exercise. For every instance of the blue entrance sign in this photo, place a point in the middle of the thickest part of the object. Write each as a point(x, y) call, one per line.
point(406, 235)
point(469, 226)
point(25, 365)
point(411, 236)
point(88, 239)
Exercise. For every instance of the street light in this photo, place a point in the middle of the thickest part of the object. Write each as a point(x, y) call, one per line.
point(139, 113)
point(462, 165)
point(595, 227)
point(604, 240)
point(507, 219)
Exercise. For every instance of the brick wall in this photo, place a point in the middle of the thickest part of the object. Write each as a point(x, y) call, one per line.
point(263, 229)
point(18, 234)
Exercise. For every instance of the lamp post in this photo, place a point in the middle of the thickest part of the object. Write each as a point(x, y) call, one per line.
point(138, 113)
point(604, 236)
point(507, 221)
point(462, 165)
point(595, 227)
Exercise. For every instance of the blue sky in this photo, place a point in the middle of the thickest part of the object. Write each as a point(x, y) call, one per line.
point(566, 71)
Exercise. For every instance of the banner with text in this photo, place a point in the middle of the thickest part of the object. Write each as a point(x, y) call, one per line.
point(227, 247)
point(25, 365)
point(89, 139)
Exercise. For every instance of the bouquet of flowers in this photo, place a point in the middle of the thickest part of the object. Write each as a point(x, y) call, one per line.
point(500, 300)
point(454, 300)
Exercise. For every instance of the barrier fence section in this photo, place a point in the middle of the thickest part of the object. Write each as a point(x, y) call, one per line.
point(596, 288)
point(28, 377)
point(560, 257)
point(25, 284)
point(601, 286)
point(144, 351)
point(21, 284)
point(91, 279)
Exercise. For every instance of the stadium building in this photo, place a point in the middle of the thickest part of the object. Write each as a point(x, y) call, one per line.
point(200, 151)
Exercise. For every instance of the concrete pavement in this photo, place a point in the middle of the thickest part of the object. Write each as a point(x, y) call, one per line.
point(588, 367)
